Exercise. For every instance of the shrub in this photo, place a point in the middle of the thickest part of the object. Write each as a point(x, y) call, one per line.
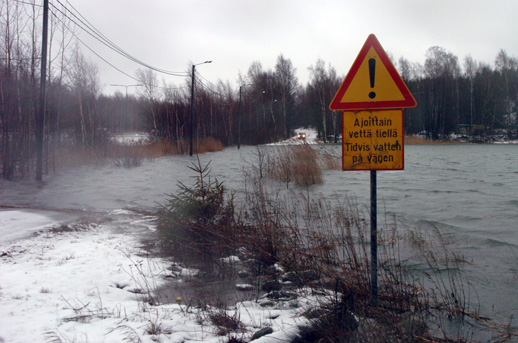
point(306, 169)
point(208, 144)
point(330, 161)
point(197, 224)
point(126, 155)
point(294, 163)
point(161, 147)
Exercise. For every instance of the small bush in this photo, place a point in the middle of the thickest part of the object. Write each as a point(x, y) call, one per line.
point(126, 156)
point(197, 224)
point(225, 322)
point(208, 144)
point(307, 171)
point(159, 148)
point(295, 163)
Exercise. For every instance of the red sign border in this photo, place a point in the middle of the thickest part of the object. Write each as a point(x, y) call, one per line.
point(408, 101)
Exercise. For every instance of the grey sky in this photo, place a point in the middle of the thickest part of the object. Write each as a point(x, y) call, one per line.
point(170, 34)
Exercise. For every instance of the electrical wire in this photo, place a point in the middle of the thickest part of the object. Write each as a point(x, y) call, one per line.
point(106, 61)
point(210, 83)
point(92, 50)
point(120, 50)
point(199, 82)
point(88, 28)
point(81, 22)
point(27, 3)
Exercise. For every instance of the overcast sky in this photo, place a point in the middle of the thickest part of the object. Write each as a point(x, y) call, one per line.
point(172, 34)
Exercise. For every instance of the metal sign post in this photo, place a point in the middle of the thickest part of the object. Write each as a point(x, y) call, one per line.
point(374, 239)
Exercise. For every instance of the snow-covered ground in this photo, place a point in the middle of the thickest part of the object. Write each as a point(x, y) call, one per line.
point(20, 223)
point(87, 281)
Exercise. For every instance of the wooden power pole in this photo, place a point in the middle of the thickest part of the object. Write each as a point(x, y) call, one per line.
point(40, 119)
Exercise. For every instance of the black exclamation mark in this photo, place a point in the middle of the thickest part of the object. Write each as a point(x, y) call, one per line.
point(372, 72)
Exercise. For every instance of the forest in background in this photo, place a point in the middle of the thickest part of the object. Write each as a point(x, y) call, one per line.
point(465, 97)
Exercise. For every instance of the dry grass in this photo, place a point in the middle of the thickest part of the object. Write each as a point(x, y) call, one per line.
point(73, 156)
point(208, 144)
point(159, 148)
point(307, 170)
point(293, 164)
point(331, 243)
point(329, 161)
point(130, 155)
point(225, 322)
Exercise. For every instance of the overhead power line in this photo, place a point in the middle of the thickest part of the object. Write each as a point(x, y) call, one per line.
point(80, 21)
point(88, 47)
point(28, 3)
point(105, 60)
point(204, 86)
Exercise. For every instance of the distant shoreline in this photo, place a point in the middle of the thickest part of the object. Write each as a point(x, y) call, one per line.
point(413, 140)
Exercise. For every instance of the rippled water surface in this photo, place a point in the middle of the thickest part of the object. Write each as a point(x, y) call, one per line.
point(468, 192)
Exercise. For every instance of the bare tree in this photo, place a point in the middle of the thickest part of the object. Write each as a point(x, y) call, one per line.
point(470, 71)
point(507, 66)
point(325, 83)
point(18, 58)
point(442, 72)
point(150, 91)
point(85, 84)
point(62, 32)
point(285, 75)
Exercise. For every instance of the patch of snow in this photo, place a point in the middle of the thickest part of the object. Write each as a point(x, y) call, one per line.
point(244, 287)
point(94, 285)
point(230, 259)
point(21, 223)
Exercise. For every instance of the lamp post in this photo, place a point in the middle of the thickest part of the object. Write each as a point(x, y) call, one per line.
point(192, 104)
point(240, 115)
point(116, 85)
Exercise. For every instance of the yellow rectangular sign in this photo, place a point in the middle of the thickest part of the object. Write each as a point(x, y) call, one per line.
point(373, 140)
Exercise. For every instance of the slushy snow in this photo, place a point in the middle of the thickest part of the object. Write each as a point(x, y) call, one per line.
point(89, 282)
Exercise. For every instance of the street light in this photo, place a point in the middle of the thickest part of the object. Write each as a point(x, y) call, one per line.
point(192, 103)
point(240, 115)
point(116, 85)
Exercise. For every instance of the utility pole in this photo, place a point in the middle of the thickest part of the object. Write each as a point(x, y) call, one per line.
point(192, 105)
point(40, 120)
point(239, 119)
point(192, 109)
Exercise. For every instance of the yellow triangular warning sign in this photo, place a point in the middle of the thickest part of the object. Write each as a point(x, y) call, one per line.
point(372, 83)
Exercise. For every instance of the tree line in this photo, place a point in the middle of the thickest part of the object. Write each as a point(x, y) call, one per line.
point(474, 98)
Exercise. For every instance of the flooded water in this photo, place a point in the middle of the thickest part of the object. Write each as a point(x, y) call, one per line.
point(468, 192)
